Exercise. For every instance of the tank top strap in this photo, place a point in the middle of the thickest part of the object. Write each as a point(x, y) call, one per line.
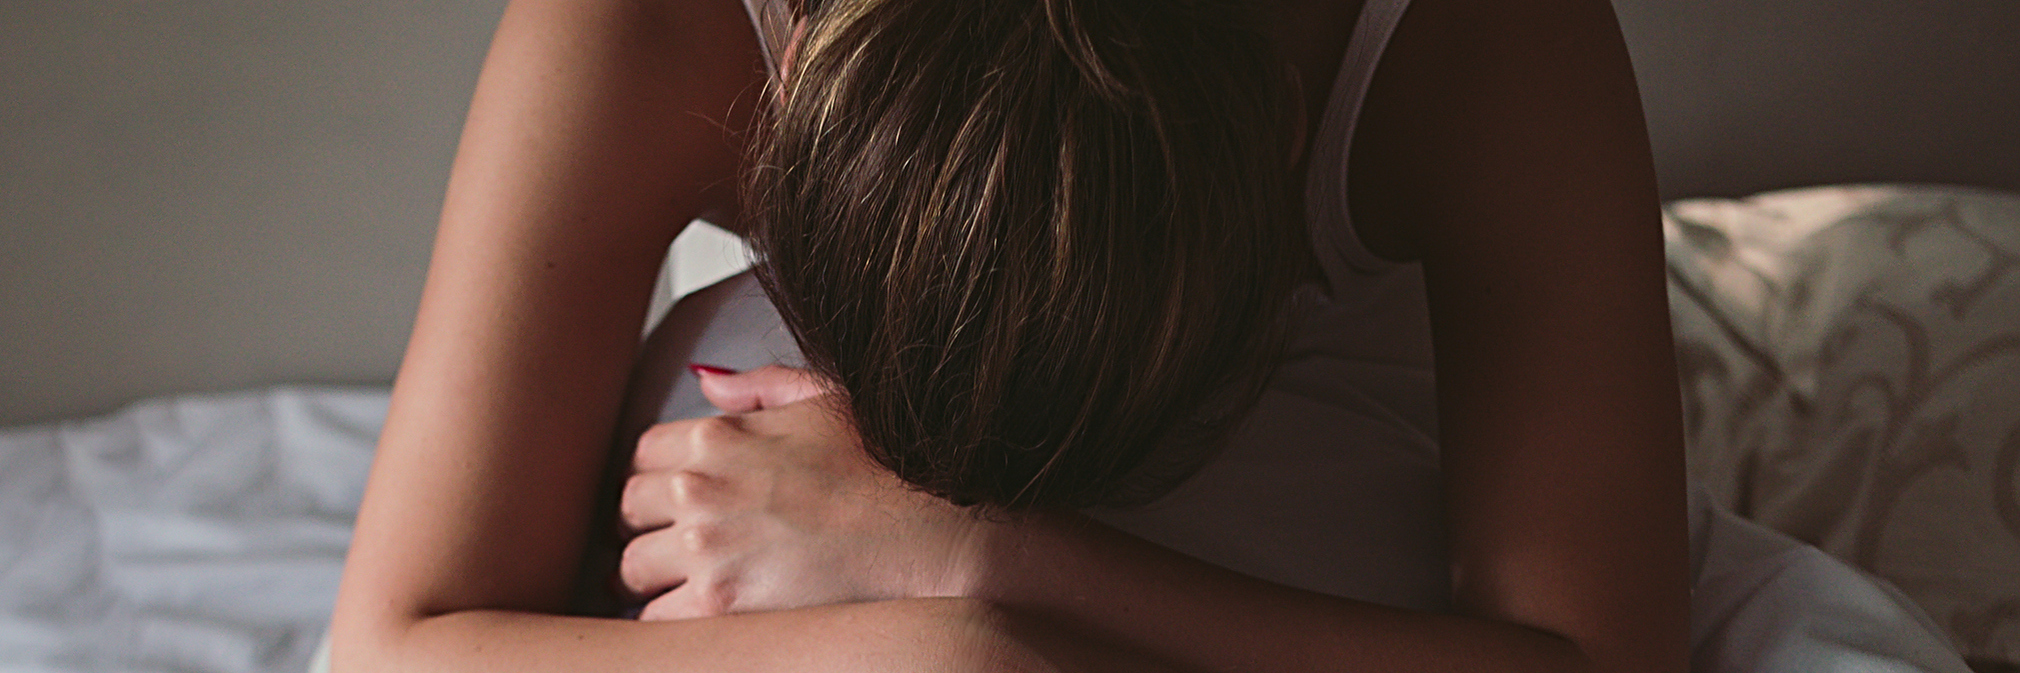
point(773, 21)
point(1339, 249)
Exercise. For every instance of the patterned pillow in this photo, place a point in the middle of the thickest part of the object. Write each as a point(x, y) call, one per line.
point(1850, 359)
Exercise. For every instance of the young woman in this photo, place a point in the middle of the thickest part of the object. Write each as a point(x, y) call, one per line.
point(1045, 254)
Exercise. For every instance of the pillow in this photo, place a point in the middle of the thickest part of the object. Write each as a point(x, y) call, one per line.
point(1850, 358)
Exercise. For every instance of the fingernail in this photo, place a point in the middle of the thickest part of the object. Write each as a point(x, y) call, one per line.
point(700, 369)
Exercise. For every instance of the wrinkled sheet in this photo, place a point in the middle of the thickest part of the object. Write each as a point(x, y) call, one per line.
point(1761, 602)
point(197, 534)
point(206, 534)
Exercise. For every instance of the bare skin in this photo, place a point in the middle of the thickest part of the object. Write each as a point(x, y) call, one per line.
point(1502, 145)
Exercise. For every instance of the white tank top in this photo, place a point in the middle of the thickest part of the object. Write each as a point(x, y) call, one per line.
point(1332, 482)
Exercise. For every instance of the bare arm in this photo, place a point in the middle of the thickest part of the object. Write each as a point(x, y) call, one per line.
point(598, 129)
point(1556, 397)
point(1524, 179)
point(911, 636)
point(1503, 145)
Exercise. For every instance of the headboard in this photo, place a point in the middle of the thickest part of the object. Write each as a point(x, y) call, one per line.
point(194, 196)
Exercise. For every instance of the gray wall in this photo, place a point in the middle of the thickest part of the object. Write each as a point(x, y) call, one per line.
point(209, 194)
point(1749, 95)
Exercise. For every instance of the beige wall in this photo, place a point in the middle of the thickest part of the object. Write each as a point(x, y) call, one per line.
point(210, 194)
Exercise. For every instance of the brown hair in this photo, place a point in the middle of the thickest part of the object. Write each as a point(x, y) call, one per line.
point(1043, 246)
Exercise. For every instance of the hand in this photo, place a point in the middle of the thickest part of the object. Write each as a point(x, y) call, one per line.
point(774, 505)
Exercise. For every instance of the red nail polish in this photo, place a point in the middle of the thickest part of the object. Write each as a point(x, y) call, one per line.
point(700, 369)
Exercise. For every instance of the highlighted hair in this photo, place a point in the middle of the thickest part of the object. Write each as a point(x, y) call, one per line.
point(1044, 246)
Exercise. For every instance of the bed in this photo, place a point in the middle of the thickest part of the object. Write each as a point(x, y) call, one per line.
point(1850, 359)
point(185, 419)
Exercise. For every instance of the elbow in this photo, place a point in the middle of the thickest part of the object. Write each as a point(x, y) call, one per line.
point(356, 651)
point(366, 640)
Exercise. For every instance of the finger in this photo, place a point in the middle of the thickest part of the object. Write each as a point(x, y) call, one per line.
point(761, 388)
point(653, 500)
point(654, 562)
point(810, 424)
point(701, 598)
point(661, 447)
point(687, 443)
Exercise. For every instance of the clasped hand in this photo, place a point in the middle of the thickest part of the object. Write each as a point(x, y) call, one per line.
point(774, 505)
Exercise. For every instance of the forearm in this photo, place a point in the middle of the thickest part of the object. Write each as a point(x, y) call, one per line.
point(1076, 572)
point(912, 635)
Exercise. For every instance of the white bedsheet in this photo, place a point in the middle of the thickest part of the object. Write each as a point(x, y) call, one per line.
point(206, 534)
point(196, 534)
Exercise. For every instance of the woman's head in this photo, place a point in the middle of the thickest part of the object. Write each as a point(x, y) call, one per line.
point(1042, 245)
